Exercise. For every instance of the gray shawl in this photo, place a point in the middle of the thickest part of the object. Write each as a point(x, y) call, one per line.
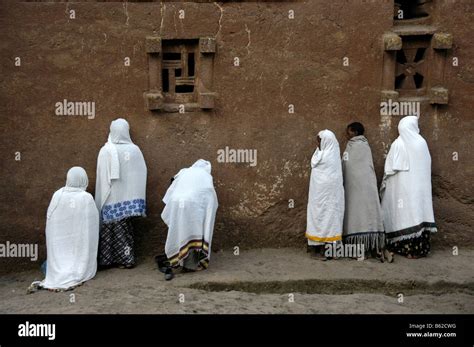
point(363, 223)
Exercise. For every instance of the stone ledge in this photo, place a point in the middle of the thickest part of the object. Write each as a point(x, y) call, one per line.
point(389, 95)
point(439, 95)
point(153, 44)
point(392, 42)
point(206, 100)
point(207, 45)
point(442, 41)
point(405, 30)
point(154, 100)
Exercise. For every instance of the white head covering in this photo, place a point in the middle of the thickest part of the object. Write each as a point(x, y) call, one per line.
point(119, 131)
point(408, 129)
point(119, 134)
point(203, 164)
point(398, 158)
point(197, 177)
point(76, 181)
point(329, 147)
point(77, 178)
point(328, 140)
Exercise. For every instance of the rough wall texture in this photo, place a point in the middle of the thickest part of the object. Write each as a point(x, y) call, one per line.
point(282, 61)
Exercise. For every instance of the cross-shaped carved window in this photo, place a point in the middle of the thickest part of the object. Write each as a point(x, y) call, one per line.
point(178, 71)
point(412, 66)
point(180, 74)
point(415, 55)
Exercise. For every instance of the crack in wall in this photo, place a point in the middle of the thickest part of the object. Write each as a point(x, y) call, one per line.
point(162, 13)
point(125, 9)
point(282, 86)
point(248, 38)
point(221, 9)
point(67, 11)
point(174, 22)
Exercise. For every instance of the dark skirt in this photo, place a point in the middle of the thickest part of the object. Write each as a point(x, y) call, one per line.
point(116, 244)
point(191, 262)
point(416, 247)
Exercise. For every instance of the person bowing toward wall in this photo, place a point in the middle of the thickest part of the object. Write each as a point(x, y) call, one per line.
point(325, 211)
point(119, 195)
point(190, 212)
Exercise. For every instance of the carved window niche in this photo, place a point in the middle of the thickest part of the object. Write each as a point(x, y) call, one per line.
point(412, 66)
point(180, 74)
point(414, 61)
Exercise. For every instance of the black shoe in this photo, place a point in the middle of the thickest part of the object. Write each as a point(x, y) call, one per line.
point(162, 262)
point(169, 274)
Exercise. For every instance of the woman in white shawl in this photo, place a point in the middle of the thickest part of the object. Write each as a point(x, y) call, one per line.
point(325, 211)
point(119, 195)
point(406, 192)
point(190, 211)
point(72, 235)
point(363, 223)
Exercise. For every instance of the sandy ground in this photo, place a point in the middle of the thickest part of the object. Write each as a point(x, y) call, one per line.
point(264, 281)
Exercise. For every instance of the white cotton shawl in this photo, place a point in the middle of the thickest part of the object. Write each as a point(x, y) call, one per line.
point(72, 234)
point(190, 211)
point(406, 188)
point(325, 211)
point(121, 176)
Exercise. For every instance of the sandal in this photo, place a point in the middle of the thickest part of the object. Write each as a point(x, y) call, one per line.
point(33, 288)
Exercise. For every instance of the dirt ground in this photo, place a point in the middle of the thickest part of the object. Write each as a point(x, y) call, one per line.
point(264, 281)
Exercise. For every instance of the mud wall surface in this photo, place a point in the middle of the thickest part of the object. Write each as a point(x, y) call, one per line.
point(283, 63)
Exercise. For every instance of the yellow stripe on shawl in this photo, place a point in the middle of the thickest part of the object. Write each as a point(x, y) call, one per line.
point(176, 258)
point(323, 239)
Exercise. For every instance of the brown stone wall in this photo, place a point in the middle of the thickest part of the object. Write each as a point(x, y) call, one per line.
point(282, 61)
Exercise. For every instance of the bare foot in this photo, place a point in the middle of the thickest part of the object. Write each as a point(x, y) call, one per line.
point(409, 256)
point(388, 255)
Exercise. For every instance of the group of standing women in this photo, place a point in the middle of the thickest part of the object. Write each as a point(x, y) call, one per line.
point(344, 203)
